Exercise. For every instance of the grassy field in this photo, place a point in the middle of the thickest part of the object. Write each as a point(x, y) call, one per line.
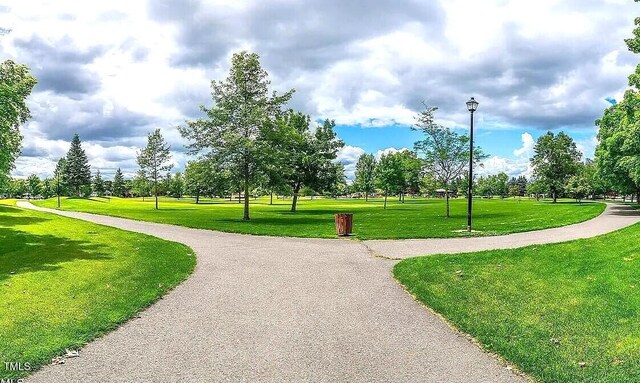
point(64, 282)
point(562, 313)
point(417, 218)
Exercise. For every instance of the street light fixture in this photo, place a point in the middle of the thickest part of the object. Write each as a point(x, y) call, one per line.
point(472, 106)
point(58, 175)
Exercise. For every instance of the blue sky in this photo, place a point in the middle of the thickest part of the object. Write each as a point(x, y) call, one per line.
point(496, 142)
point(115, 71)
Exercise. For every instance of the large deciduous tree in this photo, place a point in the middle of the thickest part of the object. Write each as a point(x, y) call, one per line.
point(33, 185)
point(555, 160)
point(154, 159)
point(77, 172)
point(176, 187)
point(390, 174)
point(365, 180)
point(232, 131)
point(16, 84)
point(445, 153)
point(618, 152)
point(411, 169)
point(305, 156)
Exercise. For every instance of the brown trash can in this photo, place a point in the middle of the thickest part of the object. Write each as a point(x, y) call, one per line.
point(344, 224)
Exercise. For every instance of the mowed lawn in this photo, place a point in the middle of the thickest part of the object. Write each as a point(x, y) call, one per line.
point(561, 313)
point(416, 218)
point(64, 282)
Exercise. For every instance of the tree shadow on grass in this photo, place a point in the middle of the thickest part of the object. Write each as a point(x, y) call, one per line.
point(302, 212)
point(624, 210)
point(11, 216)
point(23, 252)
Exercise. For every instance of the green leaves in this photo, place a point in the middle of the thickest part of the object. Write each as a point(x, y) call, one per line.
point(299, 156)
point(366, 174)
point(242, 107)
point(76, 171)
point(16, 84)
point(618, 151)
point(556, 159)
point(118, 187)
point(445, 153)
point(154, 159)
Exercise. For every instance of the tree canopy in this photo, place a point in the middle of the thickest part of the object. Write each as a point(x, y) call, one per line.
point(154, 159)
point(16, 84)
point(77, 171)
point(304, 156)
point(232, 131)
point(390, 174)
point(365, 177)
point(445, 153)
point(618, 151)
point(555, 160)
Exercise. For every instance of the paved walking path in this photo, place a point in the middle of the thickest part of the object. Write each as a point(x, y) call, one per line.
point(270, 309)
point(613, 218)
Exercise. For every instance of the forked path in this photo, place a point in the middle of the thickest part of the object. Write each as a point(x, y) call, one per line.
point(270, 309)
point(614, 217)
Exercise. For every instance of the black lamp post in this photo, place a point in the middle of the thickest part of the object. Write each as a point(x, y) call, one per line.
point(472, 106)
point(58, 189)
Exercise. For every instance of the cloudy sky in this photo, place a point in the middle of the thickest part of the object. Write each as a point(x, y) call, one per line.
point(113, 71)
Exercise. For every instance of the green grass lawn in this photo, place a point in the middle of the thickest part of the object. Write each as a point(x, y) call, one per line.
point(417, 218)
point(64, 282)
point(561, 313)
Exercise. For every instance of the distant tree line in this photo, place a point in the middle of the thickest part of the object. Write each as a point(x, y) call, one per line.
point(248, 144)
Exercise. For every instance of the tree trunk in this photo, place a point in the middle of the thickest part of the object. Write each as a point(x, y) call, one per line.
point(246, 199)
point(271, 202)
point(366, 197)
point(294, 204)
point(447, 197)
point(197, 197)
point(156, 193)
point(555, 197)
point(385, 200)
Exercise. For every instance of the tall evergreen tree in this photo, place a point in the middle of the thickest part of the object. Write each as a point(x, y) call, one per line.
point(154, 159)
point(118, 184)
point(98, 184)
point(77, 172)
